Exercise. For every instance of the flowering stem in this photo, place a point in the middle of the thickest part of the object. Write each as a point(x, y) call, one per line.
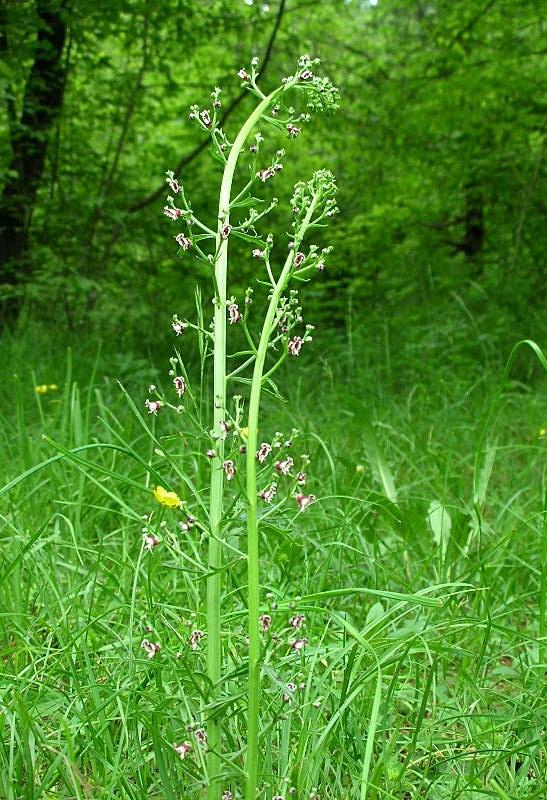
point(253, 565)
point(214, 654)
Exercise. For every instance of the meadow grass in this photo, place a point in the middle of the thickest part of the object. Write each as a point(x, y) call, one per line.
point(421, 571)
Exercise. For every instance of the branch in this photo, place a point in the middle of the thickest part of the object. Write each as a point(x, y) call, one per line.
point(193, 154)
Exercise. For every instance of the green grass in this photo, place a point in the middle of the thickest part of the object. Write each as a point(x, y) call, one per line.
point(428, 682)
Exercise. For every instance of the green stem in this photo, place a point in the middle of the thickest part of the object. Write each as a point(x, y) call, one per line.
point(214, 650)
point(253, 565)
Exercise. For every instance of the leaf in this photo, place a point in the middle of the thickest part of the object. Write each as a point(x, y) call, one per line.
point(440, 524)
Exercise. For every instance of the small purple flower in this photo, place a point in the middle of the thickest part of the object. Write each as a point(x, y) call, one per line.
point(293, 131)
point(178, 327)
point(268, 494)
point(234, 313)
point(306, 75)
point(265, 622)
point(304, 500)
point(297, 621)
point(258, 253)
point(195, 638)
point(263, 452)
point(298, 259)
point(301, 478)
point(299, 644)
point(210, 454)
point(244, 75)
point(150, 648)
point(180, 385)
point(182, 749)
point(264, 174)
point(149, 541)
point(205, 117)
point(224, 428)
point(295, 345)
point(153, 406)
point(285, 466)
point(225, 232)
point(229, 468)
point(173, 184)
point(182, 241)
point(291, 689)
point(201, 736)
point(172, 213)
point(185, 526)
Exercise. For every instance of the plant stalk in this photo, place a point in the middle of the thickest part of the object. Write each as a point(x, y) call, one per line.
point(214, 649)
point(253, 563)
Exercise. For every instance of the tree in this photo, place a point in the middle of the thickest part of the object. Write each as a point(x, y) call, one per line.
point(29, 134)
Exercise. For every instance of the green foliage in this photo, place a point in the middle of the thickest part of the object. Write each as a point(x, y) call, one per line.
point(438, 149)
point(432, 698)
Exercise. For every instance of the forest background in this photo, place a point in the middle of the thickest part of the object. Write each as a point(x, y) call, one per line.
point(438, 151)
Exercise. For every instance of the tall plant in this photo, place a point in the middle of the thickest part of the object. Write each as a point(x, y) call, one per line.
point(233, 443)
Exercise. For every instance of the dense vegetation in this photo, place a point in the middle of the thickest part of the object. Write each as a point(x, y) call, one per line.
point(421, 569)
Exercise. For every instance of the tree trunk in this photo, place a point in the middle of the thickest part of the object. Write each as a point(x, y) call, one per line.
point(29, 138)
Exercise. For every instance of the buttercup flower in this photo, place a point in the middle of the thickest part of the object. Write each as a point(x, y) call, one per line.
point(182, 749)
point(304, 500)
point(165, 498)
point(150, 648)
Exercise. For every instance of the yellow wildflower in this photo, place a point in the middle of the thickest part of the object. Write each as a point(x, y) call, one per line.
point(542, 433)
point(165, 498)
point(245, 432)
point(43, 388)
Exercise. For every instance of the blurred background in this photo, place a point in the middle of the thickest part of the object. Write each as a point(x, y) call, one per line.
point(438, 149)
